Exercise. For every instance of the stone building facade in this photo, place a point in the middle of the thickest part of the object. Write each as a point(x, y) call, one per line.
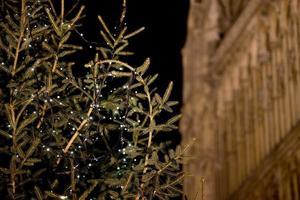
point(242, 99)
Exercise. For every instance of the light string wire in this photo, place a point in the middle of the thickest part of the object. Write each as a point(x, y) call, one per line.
point(132, 78)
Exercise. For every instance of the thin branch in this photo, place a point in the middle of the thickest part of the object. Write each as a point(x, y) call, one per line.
point(71, 141)
point(42, 116)
point(22, 110)
point(123, 15)
point(55, 63)
point(73, 7)
point(73, 180)
point(52, 7)
point(177, 157)
point(62, 13)
point(150, 132)
point(117, 62)
point(22, 29)
point(13, 117)
point(127, 182)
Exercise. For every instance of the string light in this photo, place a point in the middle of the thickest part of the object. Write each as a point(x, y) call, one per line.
point(123, 150)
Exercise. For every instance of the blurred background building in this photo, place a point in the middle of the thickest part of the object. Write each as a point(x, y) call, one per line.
point(242, 99)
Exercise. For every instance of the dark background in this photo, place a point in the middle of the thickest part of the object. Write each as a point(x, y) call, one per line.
point(162, 41)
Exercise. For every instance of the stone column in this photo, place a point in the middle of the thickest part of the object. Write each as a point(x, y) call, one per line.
point(198, 110)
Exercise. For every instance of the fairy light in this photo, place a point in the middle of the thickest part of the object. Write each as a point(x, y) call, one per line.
point(91, 118)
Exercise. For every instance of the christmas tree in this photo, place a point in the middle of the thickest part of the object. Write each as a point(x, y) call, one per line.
point(65, 136)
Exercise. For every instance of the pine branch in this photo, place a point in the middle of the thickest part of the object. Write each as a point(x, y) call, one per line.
point(115, 99)
point(62, 13)
point(177, 157)
point(71, 141)
point(116, 62)
point(11, 113)
point(150, 136)
point(73, 181)
point(42, 116)
point(20, 40)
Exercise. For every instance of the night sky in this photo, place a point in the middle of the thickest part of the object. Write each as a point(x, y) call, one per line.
point(162, 40)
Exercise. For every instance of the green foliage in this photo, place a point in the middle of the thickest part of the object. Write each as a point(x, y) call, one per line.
point(68, 137)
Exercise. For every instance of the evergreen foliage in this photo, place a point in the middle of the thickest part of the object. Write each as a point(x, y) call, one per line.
point(68, 137)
